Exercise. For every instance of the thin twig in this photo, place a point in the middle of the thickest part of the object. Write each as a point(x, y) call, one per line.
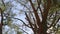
point(29, 21)
point(18, 19)
point(23, 31)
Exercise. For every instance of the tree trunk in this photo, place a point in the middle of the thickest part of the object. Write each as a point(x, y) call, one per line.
point(42, 29)
point(1, 24)
point(0, 28)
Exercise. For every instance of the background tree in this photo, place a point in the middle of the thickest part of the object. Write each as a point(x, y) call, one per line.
point(6, 26)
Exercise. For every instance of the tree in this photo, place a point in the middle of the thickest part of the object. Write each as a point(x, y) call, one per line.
point(1, 10)
point(40, 14)
point(49, 9)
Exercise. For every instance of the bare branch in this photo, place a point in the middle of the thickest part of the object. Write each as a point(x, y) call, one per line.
point(39, 2)
point(28, 9)
point(29, 20)
point(32, 4)
point(24, 31)
point(22, 21)
point(24, 6)
point(3, 2)
point(18, 19)
point(54, 21)
point(46, 10)
point(35, 12)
